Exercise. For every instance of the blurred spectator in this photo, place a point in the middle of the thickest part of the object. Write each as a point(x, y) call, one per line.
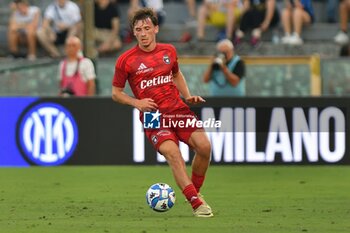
point(225, 74)
point(62, 19)
point(219, 13)
point(107, 26)
point(76, 73)
point(332, 10)
point(191, 21)
point(156, 5)
point(296, 13)
point(22, 29)
point(258, 16)
point(342, 36)
point(191, 6)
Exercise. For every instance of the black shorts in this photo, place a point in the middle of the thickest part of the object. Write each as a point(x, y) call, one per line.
point(61, 37)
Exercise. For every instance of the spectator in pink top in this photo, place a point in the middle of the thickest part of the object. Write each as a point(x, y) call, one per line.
point(76, 73)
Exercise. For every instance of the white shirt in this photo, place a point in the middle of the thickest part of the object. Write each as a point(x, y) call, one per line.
point(86, 69)
point(69, 14)
point(28, 18)
point(156, 5)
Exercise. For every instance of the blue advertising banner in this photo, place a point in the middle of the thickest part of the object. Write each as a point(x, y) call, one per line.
point(97, 131)
point(10, 111)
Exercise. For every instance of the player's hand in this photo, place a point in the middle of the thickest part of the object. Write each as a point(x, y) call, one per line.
point(146, 105)
point(194, 100)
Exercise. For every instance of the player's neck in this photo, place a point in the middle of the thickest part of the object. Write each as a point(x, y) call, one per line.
point(150, 48)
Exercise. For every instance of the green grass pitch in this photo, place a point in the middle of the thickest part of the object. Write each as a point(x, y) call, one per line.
point(101, 199)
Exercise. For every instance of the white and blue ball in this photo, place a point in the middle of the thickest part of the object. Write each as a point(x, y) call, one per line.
point(160, 197)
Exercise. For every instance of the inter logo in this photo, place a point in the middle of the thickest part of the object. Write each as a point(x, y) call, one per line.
point(151, 120)
point(48, 134)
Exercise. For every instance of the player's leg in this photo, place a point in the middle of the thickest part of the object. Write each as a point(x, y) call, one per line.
point(199, 141)
point(166, 142)
point(170, 150)
point(172, 154)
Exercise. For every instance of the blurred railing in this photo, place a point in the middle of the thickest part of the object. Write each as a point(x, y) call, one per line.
point(265, 76)
point(268, 76)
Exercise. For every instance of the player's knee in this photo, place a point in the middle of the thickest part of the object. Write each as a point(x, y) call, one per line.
point(172, 155)
point(174, 159)
point(170, 152)
point(204, 149)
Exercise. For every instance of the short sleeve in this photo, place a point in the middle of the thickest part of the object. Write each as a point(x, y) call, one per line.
point(120, 75)
point(50, 12)
point(88, 69)
point(175, 67)
point(76, 15)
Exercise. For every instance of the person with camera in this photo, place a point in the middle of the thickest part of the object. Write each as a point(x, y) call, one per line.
point(76, 73)
point(225, 74)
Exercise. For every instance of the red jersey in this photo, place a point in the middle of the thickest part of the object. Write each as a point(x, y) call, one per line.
point(150, 75)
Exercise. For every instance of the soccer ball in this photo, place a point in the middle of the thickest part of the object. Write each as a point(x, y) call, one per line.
point(160, 197)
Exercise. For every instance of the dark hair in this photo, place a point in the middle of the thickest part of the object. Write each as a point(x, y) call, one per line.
point(143, 14)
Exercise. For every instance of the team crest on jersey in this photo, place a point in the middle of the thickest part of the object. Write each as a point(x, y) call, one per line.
point(166, 59)
point(154, 139)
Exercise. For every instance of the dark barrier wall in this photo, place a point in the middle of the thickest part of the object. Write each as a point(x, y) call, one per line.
point(53, 131)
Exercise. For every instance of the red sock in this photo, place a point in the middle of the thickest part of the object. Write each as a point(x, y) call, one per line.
point(197, 181)
point(192, 196)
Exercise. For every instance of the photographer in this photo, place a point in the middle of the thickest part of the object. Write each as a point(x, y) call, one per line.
point(225, 73)
point(76, 73)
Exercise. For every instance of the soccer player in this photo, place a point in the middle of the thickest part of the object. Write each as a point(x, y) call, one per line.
point(154, 76)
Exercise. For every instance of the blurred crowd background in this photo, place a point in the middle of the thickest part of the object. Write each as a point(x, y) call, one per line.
point(291, 48)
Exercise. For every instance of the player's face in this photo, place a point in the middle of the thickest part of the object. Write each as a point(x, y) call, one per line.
point(145, 33)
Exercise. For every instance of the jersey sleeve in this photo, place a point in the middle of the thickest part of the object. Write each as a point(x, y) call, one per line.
point(120, 75)
point(175, 67)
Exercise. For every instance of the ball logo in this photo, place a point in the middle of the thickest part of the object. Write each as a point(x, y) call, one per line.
point(48, 134)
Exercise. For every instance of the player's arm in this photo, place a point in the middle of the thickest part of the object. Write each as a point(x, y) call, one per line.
point(143, 105)
point(118, 94)
point(181, 85)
